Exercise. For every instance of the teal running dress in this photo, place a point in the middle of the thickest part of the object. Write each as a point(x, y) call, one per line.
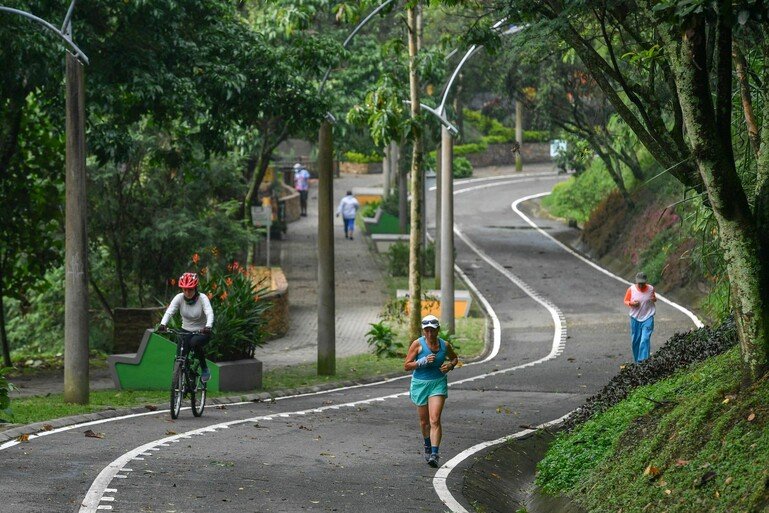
point(428, 381)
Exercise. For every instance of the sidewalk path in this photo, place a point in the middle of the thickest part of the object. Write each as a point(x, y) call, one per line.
point(359, 285)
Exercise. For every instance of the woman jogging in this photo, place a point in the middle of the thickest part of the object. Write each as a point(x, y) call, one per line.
point(430, 358)
point(197, 319)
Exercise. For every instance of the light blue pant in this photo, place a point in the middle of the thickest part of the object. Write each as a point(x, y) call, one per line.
point(640, 338)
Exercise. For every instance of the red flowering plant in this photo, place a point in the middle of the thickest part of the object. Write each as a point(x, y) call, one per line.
point(240, 315)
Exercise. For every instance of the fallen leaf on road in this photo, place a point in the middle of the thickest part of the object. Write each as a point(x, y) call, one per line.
point(220, 407)
point(93, 434)
point(151, 407)
point(23, 438)
point(706, 477)
point(495, 475)
point(47, 427)
point(169, 432)
point(652, 471)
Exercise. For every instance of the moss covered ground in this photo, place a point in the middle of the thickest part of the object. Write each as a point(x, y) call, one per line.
point(693, 442)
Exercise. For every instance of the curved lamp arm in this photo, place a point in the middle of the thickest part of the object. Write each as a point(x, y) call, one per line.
point(62, 35)
point(470, 52)
point(441, 117)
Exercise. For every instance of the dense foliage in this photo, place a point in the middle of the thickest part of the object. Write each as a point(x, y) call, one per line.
point(680, 351)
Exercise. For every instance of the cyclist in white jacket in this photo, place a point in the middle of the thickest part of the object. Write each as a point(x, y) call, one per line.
point(197, 319)
point(348, 207)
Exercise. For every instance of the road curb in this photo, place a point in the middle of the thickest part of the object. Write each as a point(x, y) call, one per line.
point(14, 432)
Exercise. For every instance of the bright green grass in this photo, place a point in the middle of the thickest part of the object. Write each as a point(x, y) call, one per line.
point(37, 409)
point(697, 435)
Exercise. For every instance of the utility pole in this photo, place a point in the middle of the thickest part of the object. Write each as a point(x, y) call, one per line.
point(447, 230)
point(519, 134)
point(326, 280)
point(76, 383)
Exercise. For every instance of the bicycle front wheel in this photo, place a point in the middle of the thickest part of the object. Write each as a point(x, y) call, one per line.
point(199, 400)
point(177, 390)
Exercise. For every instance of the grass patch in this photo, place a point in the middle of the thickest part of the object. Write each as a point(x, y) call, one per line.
point(704, 448)
point(41, 408)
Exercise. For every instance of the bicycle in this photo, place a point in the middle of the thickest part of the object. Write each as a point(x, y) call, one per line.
point(186, 378)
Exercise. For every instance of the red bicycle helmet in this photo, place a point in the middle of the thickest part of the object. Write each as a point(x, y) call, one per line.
point(188, 281)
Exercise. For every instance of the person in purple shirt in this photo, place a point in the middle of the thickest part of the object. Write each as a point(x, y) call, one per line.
point(302, 184)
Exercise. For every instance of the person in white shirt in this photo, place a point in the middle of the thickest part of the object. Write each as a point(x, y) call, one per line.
point(640, 298)
point(348, 207)
point(197, 319)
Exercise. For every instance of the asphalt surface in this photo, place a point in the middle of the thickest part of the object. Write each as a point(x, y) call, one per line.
point(359, 449)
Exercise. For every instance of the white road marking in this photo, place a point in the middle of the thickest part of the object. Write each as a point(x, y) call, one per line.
point(441, 476)
point(111, 471)
point(696, 320)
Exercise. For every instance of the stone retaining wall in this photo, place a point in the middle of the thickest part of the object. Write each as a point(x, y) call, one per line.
point(277, 316)
point(129, 327)
point(360, 169)
point(502, 154)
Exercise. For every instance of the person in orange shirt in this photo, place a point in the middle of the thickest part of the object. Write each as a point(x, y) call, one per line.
point(640, 298)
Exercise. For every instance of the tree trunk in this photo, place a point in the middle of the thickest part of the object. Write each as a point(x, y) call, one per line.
point(415, 244)
point(3, 333)
point(740, 67)
point(616, 175)
point(707, 128)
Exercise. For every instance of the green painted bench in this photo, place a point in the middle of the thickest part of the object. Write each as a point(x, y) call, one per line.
point(150, 368)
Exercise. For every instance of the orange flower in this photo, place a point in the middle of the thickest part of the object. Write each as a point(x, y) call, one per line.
point(213, 286)
point(171, 281)
point(203, 271)
point(195, 259)
point(229, 267)
point(228, 281)
point(215, 251)
point(210, 296)
point(223, 296)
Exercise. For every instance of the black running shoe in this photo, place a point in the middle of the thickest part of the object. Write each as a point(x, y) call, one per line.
point(433, 460)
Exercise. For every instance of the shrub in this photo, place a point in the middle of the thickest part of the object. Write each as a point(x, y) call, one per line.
point(369, 209)
point(462, 168)
point(239, 312)
point(381, 338)
point(536, 136)
point(398, 259)
point(390, 205)
point(361, 158)
point(496, 139)
point(5, 401)
point(466, 149)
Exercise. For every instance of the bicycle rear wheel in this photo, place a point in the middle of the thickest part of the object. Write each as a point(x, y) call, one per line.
point(177, 390)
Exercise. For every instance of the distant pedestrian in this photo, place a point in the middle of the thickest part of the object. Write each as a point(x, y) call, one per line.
point(302, 184)
point(430, 358)
point(640, 298)
point(348, 207)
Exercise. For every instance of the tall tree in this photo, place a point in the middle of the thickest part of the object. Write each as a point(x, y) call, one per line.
point(667, 70)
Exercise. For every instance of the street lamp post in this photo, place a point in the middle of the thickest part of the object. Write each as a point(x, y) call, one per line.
point(76, 384)
point(326, 278)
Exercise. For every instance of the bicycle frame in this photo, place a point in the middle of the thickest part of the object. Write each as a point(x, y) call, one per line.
point(186, 375)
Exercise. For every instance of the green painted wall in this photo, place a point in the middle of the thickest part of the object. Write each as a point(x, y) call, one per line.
point(154, 370)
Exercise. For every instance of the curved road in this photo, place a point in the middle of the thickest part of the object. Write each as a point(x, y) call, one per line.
point(562, 333)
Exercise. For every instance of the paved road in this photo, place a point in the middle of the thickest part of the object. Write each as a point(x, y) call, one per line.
point(562, 333)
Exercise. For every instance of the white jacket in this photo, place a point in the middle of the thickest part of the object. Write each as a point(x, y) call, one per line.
point(195, 317)
point(348, 207)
